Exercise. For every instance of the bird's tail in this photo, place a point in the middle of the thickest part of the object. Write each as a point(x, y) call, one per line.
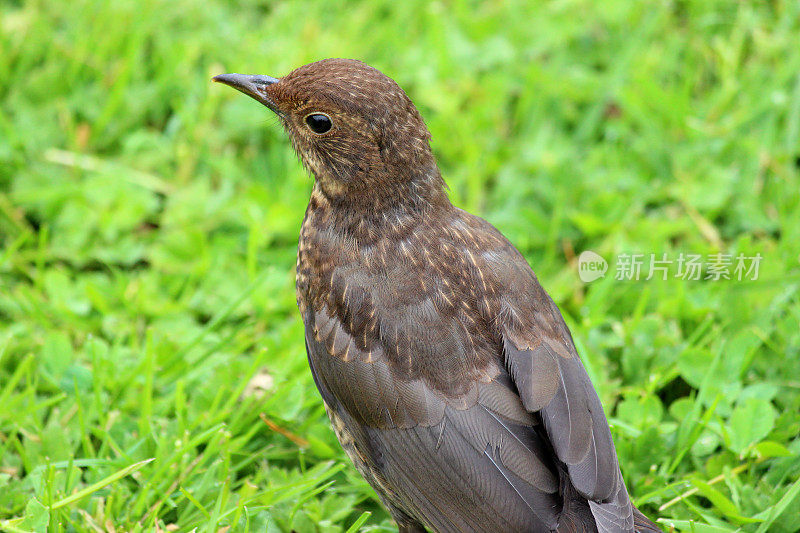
point(642, 524)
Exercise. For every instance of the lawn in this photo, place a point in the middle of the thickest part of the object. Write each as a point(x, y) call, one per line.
point(152, 366)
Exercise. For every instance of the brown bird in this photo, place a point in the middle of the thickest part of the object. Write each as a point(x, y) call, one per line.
point(448, 373)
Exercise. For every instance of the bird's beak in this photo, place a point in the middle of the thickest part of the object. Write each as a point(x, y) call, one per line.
point(252, 85)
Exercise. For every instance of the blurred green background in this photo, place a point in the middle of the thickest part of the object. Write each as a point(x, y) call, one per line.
point(149, 220)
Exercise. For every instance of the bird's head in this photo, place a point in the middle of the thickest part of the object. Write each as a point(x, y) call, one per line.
point(352, 126)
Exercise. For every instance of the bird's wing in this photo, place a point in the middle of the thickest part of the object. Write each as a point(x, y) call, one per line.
point(550, 379)
point(444, 460)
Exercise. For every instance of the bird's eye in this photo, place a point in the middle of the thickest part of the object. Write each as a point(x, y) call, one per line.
point(318, 123)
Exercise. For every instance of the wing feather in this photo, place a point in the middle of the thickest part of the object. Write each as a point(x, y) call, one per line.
point(430, 451)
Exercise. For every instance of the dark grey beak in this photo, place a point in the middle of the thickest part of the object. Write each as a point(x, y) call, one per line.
point(252, 85)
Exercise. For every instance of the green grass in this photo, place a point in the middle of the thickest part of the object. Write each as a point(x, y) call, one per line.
point(152, 367)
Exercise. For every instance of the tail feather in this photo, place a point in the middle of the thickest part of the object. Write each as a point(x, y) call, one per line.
point(642, 524)
point(577, 517)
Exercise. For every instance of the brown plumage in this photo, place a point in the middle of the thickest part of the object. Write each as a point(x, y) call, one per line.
point(448, 373)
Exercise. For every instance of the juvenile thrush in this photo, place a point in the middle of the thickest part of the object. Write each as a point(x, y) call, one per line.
point(448, 373)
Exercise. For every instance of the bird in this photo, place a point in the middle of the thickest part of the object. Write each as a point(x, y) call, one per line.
point(448, 373)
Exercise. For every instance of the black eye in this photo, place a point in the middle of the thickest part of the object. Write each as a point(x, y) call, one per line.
point(318, 123)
